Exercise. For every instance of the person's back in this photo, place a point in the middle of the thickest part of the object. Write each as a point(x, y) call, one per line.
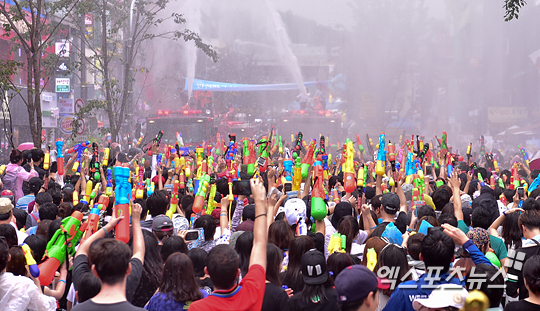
point(110, 259)
point(223, 267)
point(19, 292)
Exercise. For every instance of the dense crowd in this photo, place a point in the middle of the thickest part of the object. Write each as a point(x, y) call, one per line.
point(287, 227)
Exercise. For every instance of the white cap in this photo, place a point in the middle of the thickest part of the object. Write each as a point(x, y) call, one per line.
point(445, 295)
point(294, 210)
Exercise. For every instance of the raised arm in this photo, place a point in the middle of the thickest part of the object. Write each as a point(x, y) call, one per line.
point(138, 239)
point(260, 230)
point(454, 182)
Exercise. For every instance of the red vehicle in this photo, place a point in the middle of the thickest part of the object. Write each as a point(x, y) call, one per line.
point(311, 123)
point(240, 124)
point(194, 126)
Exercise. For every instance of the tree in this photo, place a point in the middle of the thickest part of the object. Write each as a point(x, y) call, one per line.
point(512, 8)
point(107, 60)
point(8, 68)
point(32, 24)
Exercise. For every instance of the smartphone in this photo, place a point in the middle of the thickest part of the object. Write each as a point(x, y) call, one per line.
point(241, 187)
point(261, 161)
point(521, 192)
point(194, 234)
point(287, 187)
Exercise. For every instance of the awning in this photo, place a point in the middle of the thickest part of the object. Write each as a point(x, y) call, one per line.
point(203, 85)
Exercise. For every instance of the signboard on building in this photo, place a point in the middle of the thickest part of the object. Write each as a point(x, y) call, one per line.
point(88, 19)
point(62, 85)
point(65, 105)
point(61, 48)
point(507, 114)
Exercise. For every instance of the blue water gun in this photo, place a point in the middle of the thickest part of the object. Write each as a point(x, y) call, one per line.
point(183, 151)
point(409, 168)
point(79, 148)
point(288, 170)
point(109, 189)
point(381, 156)
point(535, 184)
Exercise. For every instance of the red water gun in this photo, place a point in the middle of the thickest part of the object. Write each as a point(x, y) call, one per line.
point(318, 206)
point(308, 158)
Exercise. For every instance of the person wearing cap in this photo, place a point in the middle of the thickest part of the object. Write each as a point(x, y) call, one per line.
point(358, 289)
point(162, 227)
point(447, 297)
point(318, 293)
point(296, 215)
point(6, 217)
point(391, 204)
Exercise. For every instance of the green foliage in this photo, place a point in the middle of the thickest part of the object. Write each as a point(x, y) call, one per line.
point(512, 8)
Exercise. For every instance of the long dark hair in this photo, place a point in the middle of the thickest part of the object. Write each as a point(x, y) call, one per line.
point(511, 231)
point(394, 256)
point(243, 247)
point(153, 264)
point(17, 263)
point(178, 280)
point(348, 226)
point(280, 234)
point(274, 259)
point(337, 262)
point(293, 277)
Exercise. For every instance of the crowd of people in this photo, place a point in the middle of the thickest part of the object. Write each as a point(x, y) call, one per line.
point(424, 234)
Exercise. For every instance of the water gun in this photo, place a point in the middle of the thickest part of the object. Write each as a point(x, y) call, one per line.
point(75, 197)
point(298, 145)
point(381, 157)
point(308, 158)
point(482, 146)
point(337, 243)
point(469, 150)
point(535, 184)
point(174, 200)
point(263, 152)
point(106, 152)
point(139, 191)
point(392, 155)
point(94, 163)
point(121, 208)
point(514, 178)
point(359, 144)
point(230, 153)
point(250, 158)
point(148, 148)
point(89, 187)
point(93, 221)
point(79, 148)
point(348, 168)
point(103, 202)
point(179, 139)
point(201, 194)
point(63, 242)
point(280, 145)
point(409, 167)
point(318, 206)
point(417, 198)
point(449, 165)
point(108, 190)
point(335, 196)
point(59, 156)
point(211, 202)
point(297, 176)
point(476, 301)
point(288, 170)
point(444, 143)
point(47, 158)
point(2, 169)
point(371, 259)
point(30, 261)
point(361, 180)
point(525, 155)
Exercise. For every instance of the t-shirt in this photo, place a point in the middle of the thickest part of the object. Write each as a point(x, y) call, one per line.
point(330, 304)
point(89, 305)
point(522, 305)
point(145, 290)
point(23, 202)
point(496, 243)
point(275, 298)
point(248, 295)
point(515, 280)
point(160, 302)
point(400, 223)
point(80, 267)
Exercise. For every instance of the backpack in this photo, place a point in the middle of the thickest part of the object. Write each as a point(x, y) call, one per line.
point(10, 180)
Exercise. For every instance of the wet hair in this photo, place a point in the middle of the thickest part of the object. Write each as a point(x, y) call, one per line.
point(42, 198)
point(530, 204)
point(243, 247)
point(81, 207)
point(531, 274)
point(484, 276)
point(511, 231)
point(222, 264)
point(348, 226)
point(207, 223)
point(376, 202)
point(280, 234)
point(414, 245)
point(10, 234)
point(448, 208)
point(91, 286)
point(152, 261)
point(56, 195)
point(17, 263)
point(274, 259)
point(178, 281)
point(111, 260)
point(440, 196)
point(15, 156)
point(337, 262)
point(37, 154)
point(38, 245)
point(529, 219)
point(34, 185)
point(430, 219)
point(481, 217)
point(171, 245)
point(293, 277)
point(54, 225)
point(393, 256)
point(425, 210)
point(509, 194)
point(186, 201)
point(198, 257)
point(437, 249)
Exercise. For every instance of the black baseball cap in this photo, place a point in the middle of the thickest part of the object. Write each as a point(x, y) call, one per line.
point(390, 202)
point(356, 282)
point(341, 210)
point(162, 223)
point(314, 271)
